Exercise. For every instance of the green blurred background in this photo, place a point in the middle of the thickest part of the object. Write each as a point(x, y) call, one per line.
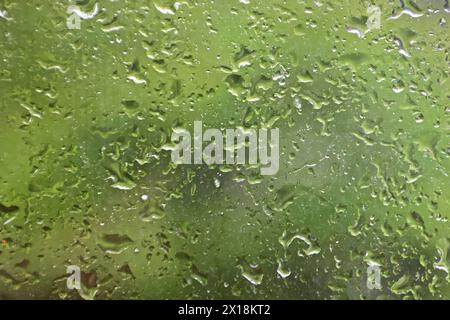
point(364, 119)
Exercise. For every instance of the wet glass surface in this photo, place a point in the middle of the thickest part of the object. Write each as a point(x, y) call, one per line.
point(91, 91)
